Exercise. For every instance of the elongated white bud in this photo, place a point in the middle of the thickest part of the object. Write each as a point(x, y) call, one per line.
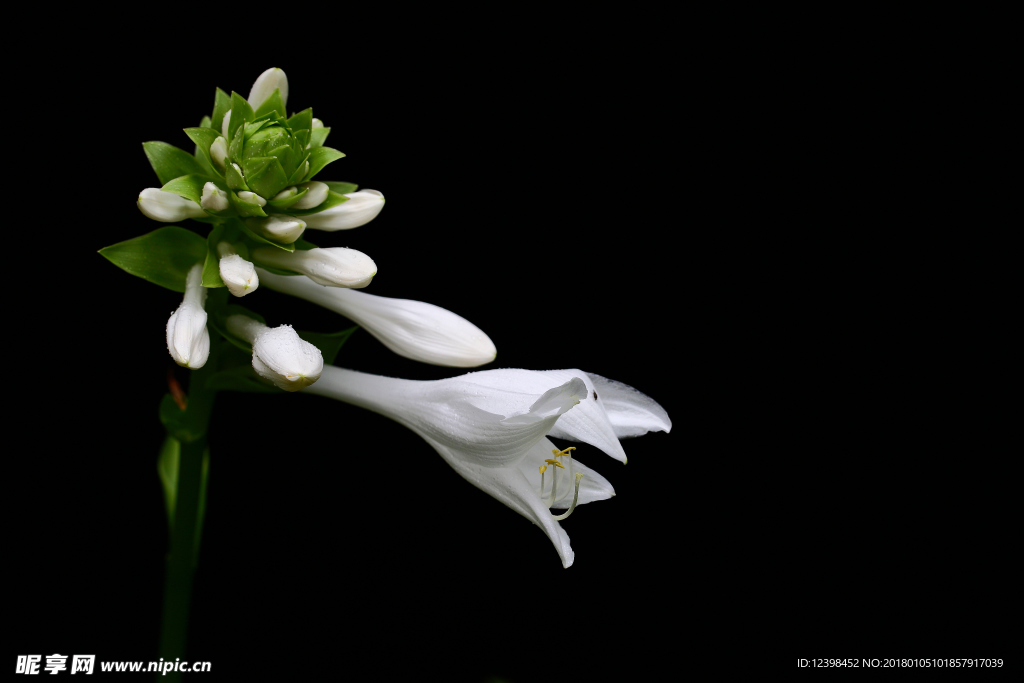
point(188, 340)
point(238, 274)
point(332, 267)
point(414, 329)
point(314, 197)
point(251, 197)
point(283, 229)
point(287, 193)
point(167, 207)
point(317, 123)
point(268, 81)
point(213, 198)
point(219, 150)
point(279, 354)
point(225, 125)
point(361, 208)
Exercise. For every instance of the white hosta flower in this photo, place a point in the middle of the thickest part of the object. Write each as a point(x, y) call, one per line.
point(268, 81)
point(331, 267)
point(167, 207)
point(492, 428)
point(188, 340)
point(317, 193)
point(361, 208)
point(279, 354)
point(238, 274)
point(414, 329)
point(214, 199)
point(283, 229)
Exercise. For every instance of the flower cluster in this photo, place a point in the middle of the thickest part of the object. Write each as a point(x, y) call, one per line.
point(250, 184)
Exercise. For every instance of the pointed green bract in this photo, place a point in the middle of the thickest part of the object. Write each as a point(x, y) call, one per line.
point(264, 175)
point(221, 106)
point(272, 104)
point(301, 120)
point(339, 187)
point(163, 256)
point(167, 469)
point(318, 137)
point(191, 186)
point(203, 137)
point(169, 161)
point(211, 269)
point(244, 208)
point(234, 179)
point(241, 113)
point(320, 157)
point(285, 203)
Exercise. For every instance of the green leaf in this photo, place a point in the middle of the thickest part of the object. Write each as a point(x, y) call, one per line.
point(260, 239)
point(340, 188)
point(328, 343)
point(221, 106)
point(170, 162)
point(183, 425)
point(285, 203)
point(318, 136)
point(163, 256)
point(320, 157)
point(211, 269)
point(244, 208)
point(303, 245)
point(333, 199)
point(167, 468)
point(191, 186)
point(302, 120)
point(233, 178)
point(203, 137)
point(241, 113)
point(300, 171)
point(264, 176)
point(274, 103)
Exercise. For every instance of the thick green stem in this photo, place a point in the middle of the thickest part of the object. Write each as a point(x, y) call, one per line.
point(185, 530)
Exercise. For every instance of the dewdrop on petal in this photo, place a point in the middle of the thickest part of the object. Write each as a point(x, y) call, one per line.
point(279, 354)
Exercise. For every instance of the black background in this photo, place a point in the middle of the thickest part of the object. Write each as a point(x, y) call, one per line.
point(676, 221)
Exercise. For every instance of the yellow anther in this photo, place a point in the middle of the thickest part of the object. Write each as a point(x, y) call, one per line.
point(554, 462)
point(558, 453)
point(543, 469)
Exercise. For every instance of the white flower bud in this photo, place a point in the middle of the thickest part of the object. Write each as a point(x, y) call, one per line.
point(225, 125)
point(361, 208)
point(268, 81)
point(167, 206)
point(283, 229)
point(317, 123)
point(188, 340)
point(251, 198)
point(279, 354)
point(219, 149)
point(333, 267)
point(213, 198)
point(314, 197)
point(238, 274)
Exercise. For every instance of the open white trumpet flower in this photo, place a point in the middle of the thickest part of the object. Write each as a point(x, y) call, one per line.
point(188, 340)
point(414, 329)
point(492, 428)
point(279, 354)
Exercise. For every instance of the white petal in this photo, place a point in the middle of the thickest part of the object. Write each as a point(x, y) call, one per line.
point(239, 275)
point(213, 198)
point(281, 356)
point(314, 197)
point(414, 329)
point(219, 149)
point(283, 229)
point(630, 412)
point(167, 207)
point(361, 208)
point(330, 267)
point(268, 81)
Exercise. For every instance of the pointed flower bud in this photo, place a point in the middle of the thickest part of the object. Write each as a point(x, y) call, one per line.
point(286, 193)
point(219, 148)
point(252, 198)
point(238, 274)
point(361, 208)
point(314, 197)
point(225, 125)
point(414, 329)
point(333, 267)
point(280, 228)
point(167, 207)
point(279, 354)
point(187, 337)
point(214, 199)
point(268, 81)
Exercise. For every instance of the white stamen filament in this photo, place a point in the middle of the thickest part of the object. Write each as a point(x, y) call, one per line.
point(575, 497)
